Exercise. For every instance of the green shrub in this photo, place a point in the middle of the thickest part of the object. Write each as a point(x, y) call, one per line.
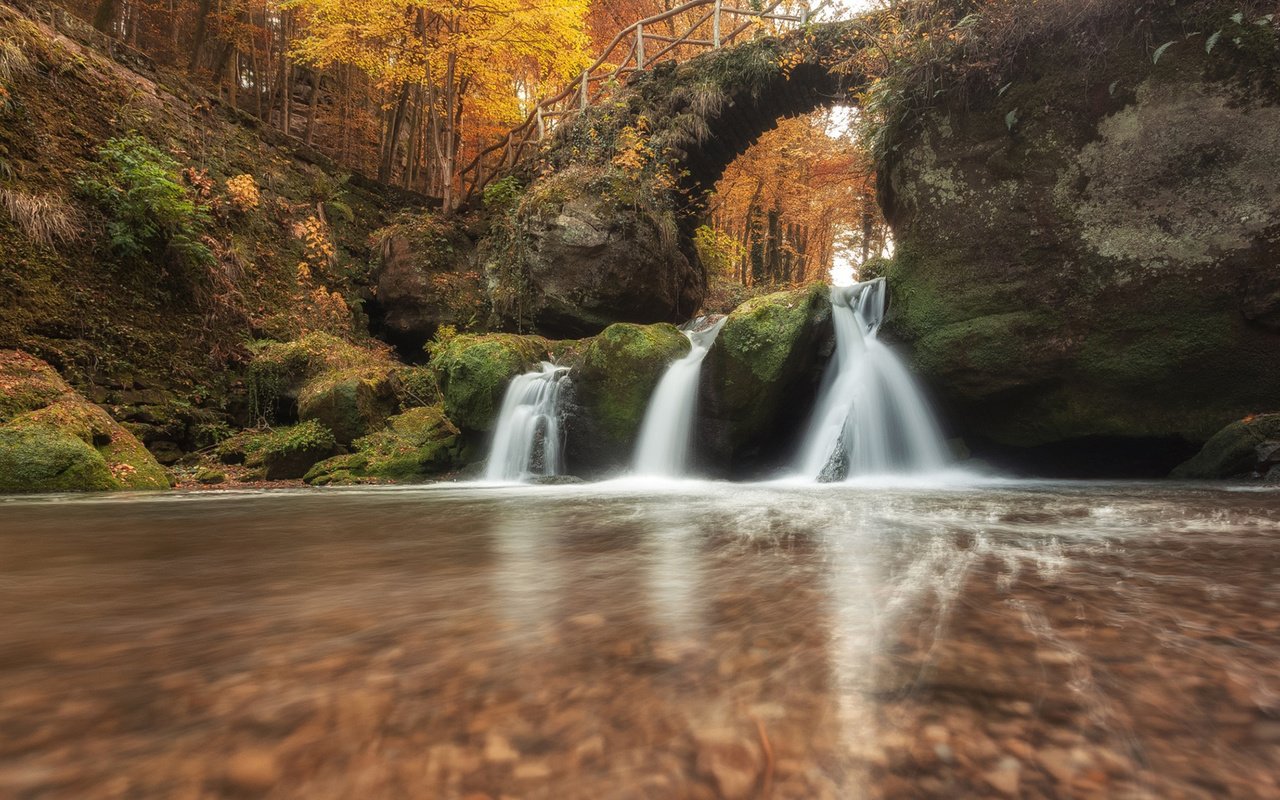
point(502, 194)
point(149, 212)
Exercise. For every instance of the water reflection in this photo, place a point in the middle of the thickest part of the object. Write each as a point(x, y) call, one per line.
point(695, 641)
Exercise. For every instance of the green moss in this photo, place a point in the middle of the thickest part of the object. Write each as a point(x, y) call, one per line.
point(283, 453)
point(1233, 450)
point(43, 419)
point(619, 371)
point(415, 445)
point(39, 459)
point(766, 345)
point(350, 402)
point(473, 372)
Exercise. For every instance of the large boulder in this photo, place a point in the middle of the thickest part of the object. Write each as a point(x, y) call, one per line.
point(1242, 448)
point(279, 454)
point(425, 277)
point(1088, 261)
point(760, 377)
point(473, 372)
point(52, 439)
point(348, 388)
point(581, 252)
point(351, 403)
point(414, 446)
point(609, 391)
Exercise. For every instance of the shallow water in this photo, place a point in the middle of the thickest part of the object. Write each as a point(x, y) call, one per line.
point(631, 641)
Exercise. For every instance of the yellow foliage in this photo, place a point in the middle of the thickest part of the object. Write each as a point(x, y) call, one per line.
point(243, 191)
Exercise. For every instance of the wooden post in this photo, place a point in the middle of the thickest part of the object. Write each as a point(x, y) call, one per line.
point(640, 46)
point(715, 26)
point(586, 82)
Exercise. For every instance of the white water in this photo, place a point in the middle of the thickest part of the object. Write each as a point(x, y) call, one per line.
point(526, 441)
point(871, 417)
point(666, 435)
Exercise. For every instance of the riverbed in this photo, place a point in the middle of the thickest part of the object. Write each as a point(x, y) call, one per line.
point(693, 640)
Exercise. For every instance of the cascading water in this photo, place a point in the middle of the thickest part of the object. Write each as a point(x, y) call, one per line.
point(871, 418)
point(526, 441)
point(666, 435)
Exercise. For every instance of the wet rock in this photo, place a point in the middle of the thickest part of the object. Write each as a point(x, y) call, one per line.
point(610, 390)
point(731, 762)
point(425, 278)
point(1238, 449)
point(763, 367)
point(252, 771)
point(473, 373)
point(1094, 251)
point(1006, 777)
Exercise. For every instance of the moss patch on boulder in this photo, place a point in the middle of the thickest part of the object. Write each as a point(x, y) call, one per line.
point(766, 353)
point(280, 453)
point(612, 386)
point(415, 445)
point(53, 439)
point(473, 373)
point(1234, 450)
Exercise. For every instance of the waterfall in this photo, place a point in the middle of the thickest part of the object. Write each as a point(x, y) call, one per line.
point(871, 418)
point(526, 441)
point(666, 435)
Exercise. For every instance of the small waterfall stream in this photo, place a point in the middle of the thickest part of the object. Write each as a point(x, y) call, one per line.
point(871, 417)
point(666, 435)
point(526, 440)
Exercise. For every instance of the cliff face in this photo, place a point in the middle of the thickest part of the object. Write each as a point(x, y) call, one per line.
point(1093, 257)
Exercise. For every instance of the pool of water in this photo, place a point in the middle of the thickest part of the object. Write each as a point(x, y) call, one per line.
point(642, 641)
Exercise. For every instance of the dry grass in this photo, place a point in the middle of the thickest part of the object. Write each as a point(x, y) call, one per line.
point(44, 218)
point(13, 61)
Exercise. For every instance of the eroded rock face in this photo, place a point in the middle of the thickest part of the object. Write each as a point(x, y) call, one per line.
point(54, 440)
point(1110, 267)
point(425, 279)
point(575, 257)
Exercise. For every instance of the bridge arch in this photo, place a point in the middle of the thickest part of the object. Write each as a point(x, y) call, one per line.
point(603, 231)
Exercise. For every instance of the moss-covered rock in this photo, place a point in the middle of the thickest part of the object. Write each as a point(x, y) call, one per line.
point(1076, 278)
point(473, 373)
point(1234, 450)
point(53, 439)
point(610, 390)
point(415, 445)
point(280, 453)
point(759, 372)
point(351, 402)
point(348, 388)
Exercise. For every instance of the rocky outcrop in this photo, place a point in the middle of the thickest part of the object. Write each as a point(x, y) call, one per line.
point(609, 391)
point(349, 389)
point(425, 278)
point(1248, 448)
point(1093, 254)
point(54, 440)
point(416, 445)
point(581, 251)
point(473, 373)
point(760, 378)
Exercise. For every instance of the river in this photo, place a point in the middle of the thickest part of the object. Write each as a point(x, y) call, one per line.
point(628, 641)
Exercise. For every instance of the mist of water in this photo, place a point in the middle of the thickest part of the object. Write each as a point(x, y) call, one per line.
point(871, 418)
point(666, 435)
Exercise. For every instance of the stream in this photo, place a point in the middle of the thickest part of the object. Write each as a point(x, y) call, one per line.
point(635, 640)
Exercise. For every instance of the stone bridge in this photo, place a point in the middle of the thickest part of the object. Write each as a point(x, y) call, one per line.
point(602, 231)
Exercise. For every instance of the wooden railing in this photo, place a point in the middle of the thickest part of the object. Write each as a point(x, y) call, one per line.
point(719, 25)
